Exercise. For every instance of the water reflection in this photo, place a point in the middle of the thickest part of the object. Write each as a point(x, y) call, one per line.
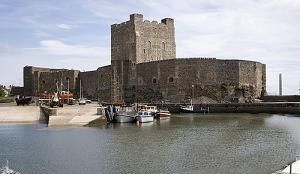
point(185, 143)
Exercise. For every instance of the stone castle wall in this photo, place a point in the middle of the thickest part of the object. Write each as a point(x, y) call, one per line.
point(180, 79)
point(144, 68)
point(30, 79)
point(104, 83)
point(61, 79)
point(89, 84)
point(138, 41)
point(96, 85)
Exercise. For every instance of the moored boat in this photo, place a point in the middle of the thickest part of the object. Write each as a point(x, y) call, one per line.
point(187, 109)
point(120, 115)
point(152, 109)
point(163, 114)
point(124, 118)
point(144, 116)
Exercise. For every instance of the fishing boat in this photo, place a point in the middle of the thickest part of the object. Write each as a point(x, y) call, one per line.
point(120, 115)
point(163, 113)
point(144, 116)
point(125, 118)
point(187, 109)
point(152, 109)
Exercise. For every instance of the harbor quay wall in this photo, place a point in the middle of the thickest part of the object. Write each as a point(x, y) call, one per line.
point(255, 108)
point(284, 98)
point(19, 114)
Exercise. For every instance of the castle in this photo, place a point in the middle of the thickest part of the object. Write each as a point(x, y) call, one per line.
point(144, 68)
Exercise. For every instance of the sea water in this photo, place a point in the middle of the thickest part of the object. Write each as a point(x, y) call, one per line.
point(186, 143)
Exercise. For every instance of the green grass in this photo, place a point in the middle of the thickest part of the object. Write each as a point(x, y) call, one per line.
point(7, 99)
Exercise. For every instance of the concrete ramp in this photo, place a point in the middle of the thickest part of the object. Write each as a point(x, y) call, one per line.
point(84, 120)
point(76, 115)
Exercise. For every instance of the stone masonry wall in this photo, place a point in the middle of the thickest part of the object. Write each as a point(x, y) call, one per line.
point(104, 84)
point(180, 79)
point(137, 41)
point(50, 81)
point(252, 78)
point(30, 79)
point(89, 84)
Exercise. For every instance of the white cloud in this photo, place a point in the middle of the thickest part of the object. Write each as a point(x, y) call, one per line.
point(65, 26)
point(59, 48)
point(260, 30)
point(265, 31)
point(50, 53)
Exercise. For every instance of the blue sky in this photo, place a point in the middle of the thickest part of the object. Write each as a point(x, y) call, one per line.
point(76, 33)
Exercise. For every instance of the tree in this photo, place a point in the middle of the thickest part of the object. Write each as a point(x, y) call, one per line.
point(2, 92)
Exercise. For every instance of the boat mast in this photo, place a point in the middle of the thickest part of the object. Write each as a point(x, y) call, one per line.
point(80, 88)
point(192, 95)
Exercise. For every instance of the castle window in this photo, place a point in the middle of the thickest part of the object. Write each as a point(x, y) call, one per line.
point(163, 46)
point(149, 45)
point(44, 81)
point(171, 79)
point(144, 51)
point(154, 81)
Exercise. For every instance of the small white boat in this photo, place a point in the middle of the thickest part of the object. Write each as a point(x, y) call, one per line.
point(144, 116)
point(7, 170)
point(163, 114)
point(188, 108)
point(152, 109)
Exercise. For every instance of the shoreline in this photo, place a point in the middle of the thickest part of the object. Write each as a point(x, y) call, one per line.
point(69, 115)
point(83, 115)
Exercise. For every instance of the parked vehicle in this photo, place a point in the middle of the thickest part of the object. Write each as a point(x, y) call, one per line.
point(23, 100)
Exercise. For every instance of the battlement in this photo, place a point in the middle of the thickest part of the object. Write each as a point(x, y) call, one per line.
point(134, 18)
point(168, 21)
point(202, 58)
point(138, 19)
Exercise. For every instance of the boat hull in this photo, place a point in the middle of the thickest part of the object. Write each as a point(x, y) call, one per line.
point(125, 119)
point(193, 111)
point(163, 114)
point(144, 119)
point(187, 111)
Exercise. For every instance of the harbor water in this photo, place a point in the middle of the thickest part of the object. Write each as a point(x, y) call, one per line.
point(186, 143)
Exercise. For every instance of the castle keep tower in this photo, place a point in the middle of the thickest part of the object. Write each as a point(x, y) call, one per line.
point(137, 41)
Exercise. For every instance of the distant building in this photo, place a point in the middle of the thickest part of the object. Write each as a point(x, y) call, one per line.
point(144, 68)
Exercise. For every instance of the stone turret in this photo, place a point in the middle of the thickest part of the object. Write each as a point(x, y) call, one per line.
point(136, 18)
point(137, 41)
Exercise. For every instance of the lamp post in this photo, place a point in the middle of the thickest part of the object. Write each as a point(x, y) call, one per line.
point(193, 91)
point(68, 79)
point(192, 94)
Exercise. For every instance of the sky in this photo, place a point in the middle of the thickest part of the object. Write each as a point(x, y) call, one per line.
point(75, 34)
